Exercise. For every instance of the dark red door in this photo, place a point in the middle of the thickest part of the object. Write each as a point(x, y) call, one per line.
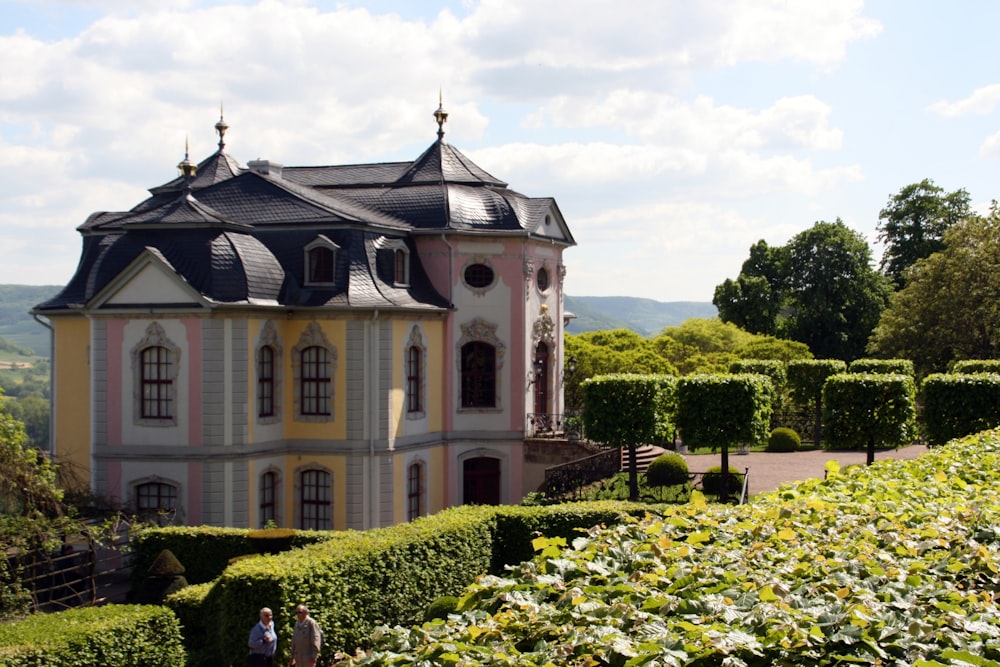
point(481, 481)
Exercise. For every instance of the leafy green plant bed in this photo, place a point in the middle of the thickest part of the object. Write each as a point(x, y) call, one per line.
point(897, 563)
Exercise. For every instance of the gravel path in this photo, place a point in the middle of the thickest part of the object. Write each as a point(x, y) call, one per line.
point(769, 470)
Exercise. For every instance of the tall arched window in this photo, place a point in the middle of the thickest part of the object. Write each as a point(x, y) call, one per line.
point(156, 379)
point(414, 400)
point(268, 495)
point(265, 381)
point(315, 504)
point(315, 381)
point(415, 489)
point(478, 375)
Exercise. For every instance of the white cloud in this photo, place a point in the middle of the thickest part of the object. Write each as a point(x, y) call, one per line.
point(982, 101)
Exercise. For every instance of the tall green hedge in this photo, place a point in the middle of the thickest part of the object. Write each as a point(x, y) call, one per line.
point(959, 404)
point(976, 366)
point(719, 410)
point(117, 635)
point(869, 410)
point(885, 366)
point(805, 380)
point(628, 410)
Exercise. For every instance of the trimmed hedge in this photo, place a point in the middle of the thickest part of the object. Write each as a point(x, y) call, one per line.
point(869, 410)
point(204, 551)
point(119, 635)
point(956, 405)
point(976, 366)
point(355, 581)
point(806, 378)
point(882, 366)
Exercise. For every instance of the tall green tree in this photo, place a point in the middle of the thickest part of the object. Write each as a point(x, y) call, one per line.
point(913, 223)
point(753, 301)
point(948, 310)
point(835, 296)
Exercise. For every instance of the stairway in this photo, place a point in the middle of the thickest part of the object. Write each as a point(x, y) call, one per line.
point(643, 456)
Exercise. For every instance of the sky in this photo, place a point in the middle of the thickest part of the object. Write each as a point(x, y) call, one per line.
point(673, 134)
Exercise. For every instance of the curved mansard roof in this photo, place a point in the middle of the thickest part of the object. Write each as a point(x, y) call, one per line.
point(237, 235)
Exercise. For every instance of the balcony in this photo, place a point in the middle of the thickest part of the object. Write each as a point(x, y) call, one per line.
point(565, 426)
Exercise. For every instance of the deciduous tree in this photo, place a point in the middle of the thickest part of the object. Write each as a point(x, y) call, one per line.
point(948, 309)
point(913, 223)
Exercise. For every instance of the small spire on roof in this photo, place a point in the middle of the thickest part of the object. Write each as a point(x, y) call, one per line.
point(188, 169)
point(441, 116)
point(221, 128)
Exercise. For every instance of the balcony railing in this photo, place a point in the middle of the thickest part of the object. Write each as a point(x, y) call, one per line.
point(567, 425)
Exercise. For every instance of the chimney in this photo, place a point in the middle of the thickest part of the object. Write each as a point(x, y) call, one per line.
point(265, 167)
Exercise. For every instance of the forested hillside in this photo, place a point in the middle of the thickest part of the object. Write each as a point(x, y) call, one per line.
point(16, 324)
point(646, 317)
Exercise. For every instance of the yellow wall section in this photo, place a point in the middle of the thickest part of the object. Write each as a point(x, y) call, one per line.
point(71, 392)
point(433, 335)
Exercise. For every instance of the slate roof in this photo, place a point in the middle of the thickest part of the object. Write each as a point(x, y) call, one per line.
point(238, 236)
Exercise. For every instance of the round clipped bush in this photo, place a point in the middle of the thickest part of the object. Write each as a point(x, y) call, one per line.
point(441, 607)
point(783, 440)
point(711, 481)
point(668, 469)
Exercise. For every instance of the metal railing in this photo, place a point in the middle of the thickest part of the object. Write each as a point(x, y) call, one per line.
point(568, 425)
point(569, 478)
point(77, 575)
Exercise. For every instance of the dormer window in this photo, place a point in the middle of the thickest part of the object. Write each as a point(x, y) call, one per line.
point(321, 257)
point(400, 267)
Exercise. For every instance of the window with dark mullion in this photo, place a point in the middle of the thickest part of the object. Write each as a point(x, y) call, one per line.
point(315, 505)
point(413, 397)
point(478, 375)
point(268, 484)
point(315, 381)
point(156, 379)
point(265, 382)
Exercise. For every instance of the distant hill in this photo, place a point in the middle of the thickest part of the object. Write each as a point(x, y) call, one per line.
point(16, 324)
point(644, 316)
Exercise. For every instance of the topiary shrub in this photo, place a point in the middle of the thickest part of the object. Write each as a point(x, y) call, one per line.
point(783, 440)
point(669, 469)
point(441, 607)
point(711, 481)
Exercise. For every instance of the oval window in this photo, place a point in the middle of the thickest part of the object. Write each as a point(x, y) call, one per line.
point(542, 279)
point(478, 275)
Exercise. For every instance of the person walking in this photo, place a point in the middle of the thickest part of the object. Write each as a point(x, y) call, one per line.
point(263, 640)
point(306, 639)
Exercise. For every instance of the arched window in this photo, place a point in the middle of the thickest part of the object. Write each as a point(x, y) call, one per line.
point(415, 488)
point(321, 255)
point(265, 381)
point(268, 495)
point(156, 380)
point(315, 381)
point(414, 399)
point(156, 502)
point(315, 504)
point(478, 375)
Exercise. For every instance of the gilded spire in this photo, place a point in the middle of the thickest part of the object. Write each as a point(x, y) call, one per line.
point(188, 169)
point(221, 128)
point(441, 116)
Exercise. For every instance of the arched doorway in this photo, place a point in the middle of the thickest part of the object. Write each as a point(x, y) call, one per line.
point(481, 481)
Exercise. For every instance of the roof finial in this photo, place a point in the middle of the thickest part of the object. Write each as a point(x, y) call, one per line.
point(188, 169)
point(441, 116)
point(221, 128)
